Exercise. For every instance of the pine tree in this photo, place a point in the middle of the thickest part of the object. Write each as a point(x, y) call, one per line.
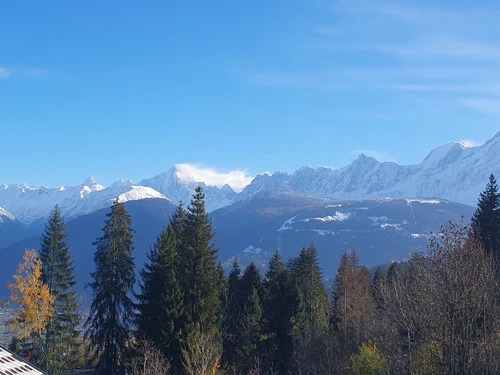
point(486, 220)
point(251, 279)
point(248, 325)
point(200, 275)
point(311, 338)
point(232, 313)
point(161, 300)
point(279, 316)
point(249, 332)
point(234, 294)
point(392, 272)
point(58, 274)
point(307, 274)
point(111, 312)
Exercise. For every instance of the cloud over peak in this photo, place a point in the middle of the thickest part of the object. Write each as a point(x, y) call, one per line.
point(237, 179)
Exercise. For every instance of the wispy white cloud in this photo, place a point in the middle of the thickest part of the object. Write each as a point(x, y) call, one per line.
point(484, 105)
point(447, 54)
point(237, 179)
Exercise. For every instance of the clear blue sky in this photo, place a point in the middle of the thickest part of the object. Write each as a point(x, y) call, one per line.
point(125, 89)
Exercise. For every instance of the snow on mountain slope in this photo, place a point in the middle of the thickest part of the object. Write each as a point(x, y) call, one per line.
point(454, 171)
point(172, 185)
point(29, 203)
point(4, 215)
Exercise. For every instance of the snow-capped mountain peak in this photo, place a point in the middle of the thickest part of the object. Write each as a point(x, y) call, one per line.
point(178, 185)
point(91, 184)
point(28, 203)
point(455, 171)
point(121, 183)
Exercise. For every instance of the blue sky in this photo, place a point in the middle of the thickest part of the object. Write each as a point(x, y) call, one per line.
point(120, 89)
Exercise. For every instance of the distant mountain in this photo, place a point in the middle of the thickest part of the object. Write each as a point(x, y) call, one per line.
point(455, 172)
point(380, 229)
point(11, 230)
point(173, 186)
point(29, 204)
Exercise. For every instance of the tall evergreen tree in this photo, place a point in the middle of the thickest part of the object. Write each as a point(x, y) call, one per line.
point(200, 274)
point(161, 299)
point(279, 316)
point(392, 271)
point(251, 279)
point(249, 334)
point(307, 274)
point(111, 312)
point(486, 219)
point(248, 324)
point(58, 274)
point(311, 340)
point(232, 313)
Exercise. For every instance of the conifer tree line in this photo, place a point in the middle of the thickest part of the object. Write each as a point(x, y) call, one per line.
point(436, 313)
point(47, 314)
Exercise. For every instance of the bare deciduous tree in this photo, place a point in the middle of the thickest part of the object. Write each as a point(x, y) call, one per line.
point(149, 360)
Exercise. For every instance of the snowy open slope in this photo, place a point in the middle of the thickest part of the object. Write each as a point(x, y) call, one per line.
point(28, 203)
point(4, 214)
point(455, 171)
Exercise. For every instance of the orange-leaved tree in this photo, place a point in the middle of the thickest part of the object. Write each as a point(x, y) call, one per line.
point(35, 305)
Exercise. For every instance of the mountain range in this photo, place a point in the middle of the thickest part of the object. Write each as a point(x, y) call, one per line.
point(383, 209)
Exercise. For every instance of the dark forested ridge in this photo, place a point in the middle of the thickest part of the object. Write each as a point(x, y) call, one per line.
point(252, 230)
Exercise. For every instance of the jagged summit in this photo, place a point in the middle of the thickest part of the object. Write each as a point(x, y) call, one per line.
point(456, 171)
point(89, 181)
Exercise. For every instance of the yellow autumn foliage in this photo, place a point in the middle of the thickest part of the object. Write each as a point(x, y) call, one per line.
point(35, 305)
point(367, 362)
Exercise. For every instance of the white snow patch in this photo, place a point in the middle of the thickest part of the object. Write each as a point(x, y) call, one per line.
point(395, 226)
point(339, 216)
point(139, 192)
point(287, 224)
point(333, 205)
point(424, 201)
point(323, 232)
point(4, 212)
